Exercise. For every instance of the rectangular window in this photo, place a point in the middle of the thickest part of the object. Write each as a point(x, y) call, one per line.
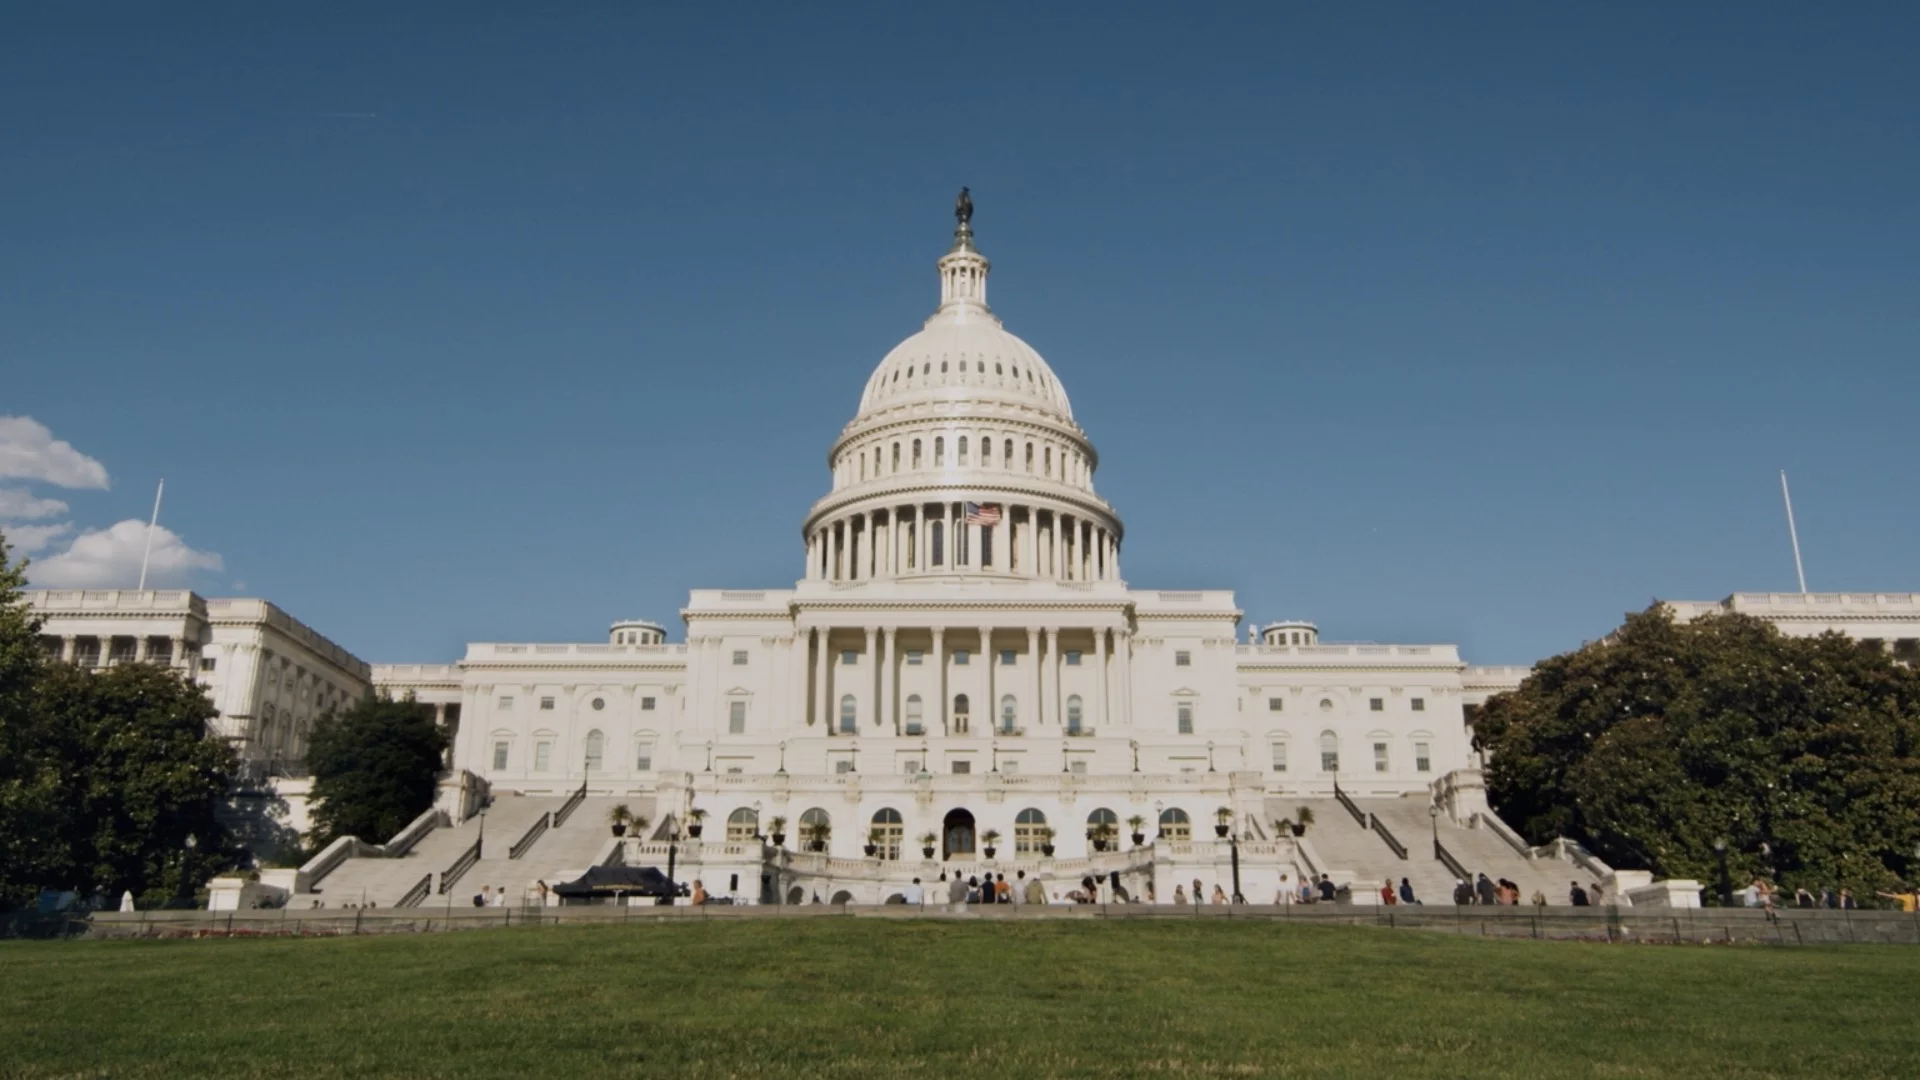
point(643, 757)
point(506, 704)
point(1077, 765)
point(1009, 768)
point(1275, 704)
point(1279, 757)
point(1183, 658)
point(542, 755)
point(546, 704)
point(1007, 657)
point(1329, 760)
point(911, 767)
point(739, 657)
point(206, 663)
point(1419, 704)
point(736, 718)
point(848, 658)
point(1073, 658)
point(959, 658)
point(646, 704)
point(1186, 719)
point(962, 768)
point(734, 770)
point(1379, 757)
point(500, 755)
point(1377, 704)
point(913, 657)
point(1423, 757)
point(844, 765)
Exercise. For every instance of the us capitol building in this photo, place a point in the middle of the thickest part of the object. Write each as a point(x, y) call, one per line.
point(962, 681)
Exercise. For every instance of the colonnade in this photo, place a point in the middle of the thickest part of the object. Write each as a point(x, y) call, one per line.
point(925, 538)
point(142, 648)
point(1035, 680)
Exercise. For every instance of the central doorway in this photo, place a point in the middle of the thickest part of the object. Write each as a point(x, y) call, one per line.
point(956, 834)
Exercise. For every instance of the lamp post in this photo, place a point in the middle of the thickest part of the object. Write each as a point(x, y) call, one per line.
point(1433, 817)
point(673, 853)
point(1726, 883)
point(1233, 848)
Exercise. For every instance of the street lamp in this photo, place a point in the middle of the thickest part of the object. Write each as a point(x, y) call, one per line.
point(1433, 817)
point(1726, 883)
point(673, 853)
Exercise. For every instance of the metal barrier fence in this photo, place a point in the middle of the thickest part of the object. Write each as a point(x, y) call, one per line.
point(1795, 926)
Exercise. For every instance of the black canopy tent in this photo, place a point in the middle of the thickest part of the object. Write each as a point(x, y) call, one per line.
point(616, 881)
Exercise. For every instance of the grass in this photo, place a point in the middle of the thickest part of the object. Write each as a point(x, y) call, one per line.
point(847, 997)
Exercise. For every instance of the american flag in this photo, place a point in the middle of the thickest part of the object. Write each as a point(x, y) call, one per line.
point(982, 514)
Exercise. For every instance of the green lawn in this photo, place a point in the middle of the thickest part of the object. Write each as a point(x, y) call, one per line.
point(867, 997)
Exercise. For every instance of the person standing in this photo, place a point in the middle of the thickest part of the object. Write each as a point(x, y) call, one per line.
point(1019, 895)
point(1483, 889)
point(1576, 895)
point(957, 893)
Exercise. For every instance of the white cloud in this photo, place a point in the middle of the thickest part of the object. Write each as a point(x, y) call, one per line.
point(28, 451)
point(19, 504)
point(110, 559)
point(27, 539)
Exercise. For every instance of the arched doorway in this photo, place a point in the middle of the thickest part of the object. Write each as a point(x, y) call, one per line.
point(956, 834)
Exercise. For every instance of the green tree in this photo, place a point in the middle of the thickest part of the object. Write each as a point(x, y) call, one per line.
point(375, 768)
point(145, 778)
point(32, 805)
point(1803, 754)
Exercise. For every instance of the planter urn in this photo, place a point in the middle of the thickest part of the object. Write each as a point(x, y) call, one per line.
point(926, 852)
point(870, 849)
point(779, 839)
point(1047, 850)
point(693, 831)
point(1138, 839)
point(619, 830)
point(989, 853)
point(1220, 831)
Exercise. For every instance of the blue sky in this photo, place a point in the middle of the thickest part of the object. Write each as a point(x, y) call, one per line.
point(1463, 322)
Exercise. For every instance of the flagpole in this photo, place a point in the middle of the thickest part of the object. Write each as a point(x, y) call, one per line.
point(1793, 533)
point(155, 523)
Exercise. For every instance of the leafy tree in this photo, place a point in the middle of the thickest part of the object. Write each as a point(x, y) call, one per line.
point(31, 792)
point(375, 768)
point(1803, 754)
point(145, 778)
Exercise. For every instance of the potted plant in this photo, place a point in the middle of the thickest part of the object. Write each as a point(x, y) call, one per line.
point(618, 818)
point(1139, 826)
point(1301, 820)
point(778, 827)
point(817, 834)
point(1102, 836)
point(1046, 841)
point(874, 839)
point(1222, 821)
point(694, 818)
point(989, 839)
point(927, 840)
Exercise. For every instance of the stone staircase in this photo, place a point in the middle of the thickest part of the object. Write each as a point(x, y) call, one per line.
point(556, 854)
point(1345, 845)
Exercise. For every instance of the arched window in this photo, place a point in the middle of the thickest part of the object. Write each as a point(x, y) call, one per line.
point(1073, 714)
point(1030, 832)
point(815, 829)
point(962, 708)
point(939, 451)
point(916, 716)
point(961, 450)
point(1007, 455)
point(1029, 457)
point(742, 826)
point(1174, 824)
point(986, 452)
point(916, 453)
point(896, 457)
point(596, 749)
point(887, 832)
point(1046, 468)
point(863, 464)
point(1009, 714)
point(1329, 752)
point(849, 715)
point(1103, 829)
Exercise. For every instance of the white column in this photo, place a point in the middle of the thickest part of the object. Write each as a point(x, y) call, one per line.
point(1123, 647)
point(1100, 660)
point(986, 656)
point(66, 649)
point(939, 659)
point(872, 693)
point(140, 648)
point(1055, 696)
point(1049, 679)
point(796, 696)
point(1033, 677)
point(820, 663)
point(890, 710)
point(179, 645)
point(953, 542)
point(1053, 550)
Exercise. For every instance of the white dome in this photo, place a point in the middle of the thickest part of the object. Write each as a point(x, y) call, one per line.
point(963, 355)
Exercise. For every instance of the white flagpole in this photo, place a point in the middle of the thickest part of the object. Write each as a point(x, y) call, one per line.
point(1792, 533)
point(155, 523)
